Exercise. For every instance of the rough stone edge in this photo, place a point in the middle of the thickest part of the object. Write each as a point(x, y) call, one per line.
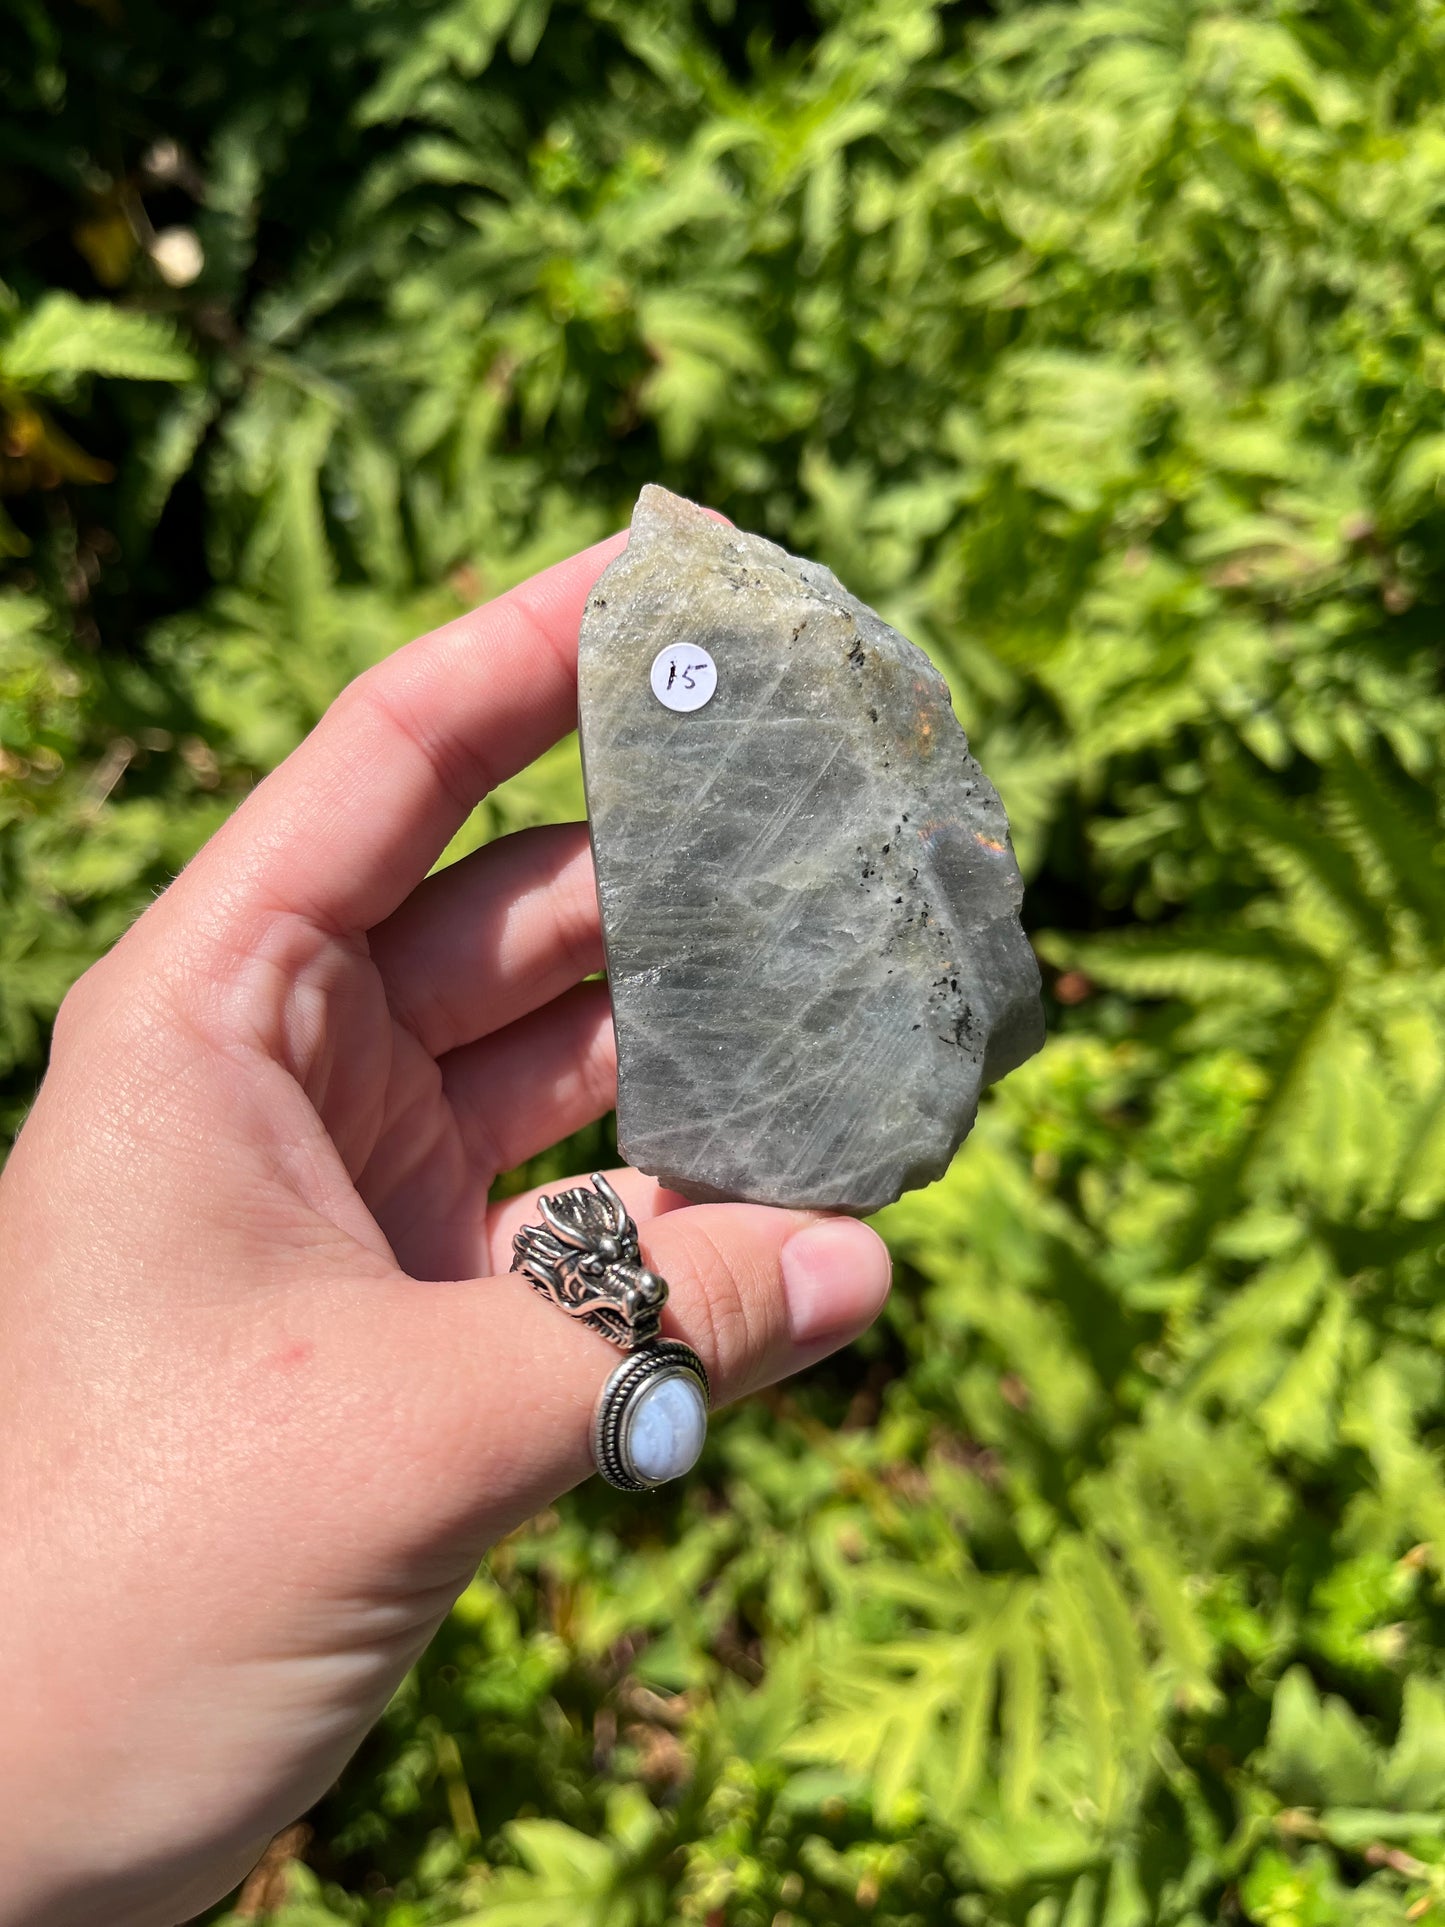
point(656, 512)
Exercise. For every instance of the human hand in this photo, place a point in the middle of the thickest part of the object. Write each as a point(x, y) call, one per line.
point(266, 1397)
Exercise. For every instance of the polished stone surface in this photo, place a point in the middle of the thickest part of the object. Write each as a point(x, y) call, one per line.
point(667, 1427)
point(809, 899)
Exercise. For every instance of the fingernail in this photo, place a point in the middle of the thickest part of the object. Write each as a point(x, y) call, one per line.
point(836, 1277)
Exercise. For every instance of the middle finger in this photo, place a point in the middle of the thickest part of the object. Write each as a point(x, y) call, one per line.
point(492, 937)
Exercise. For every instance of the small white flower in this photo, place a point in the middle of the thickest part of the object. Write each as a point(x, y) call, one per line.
point(178, 255)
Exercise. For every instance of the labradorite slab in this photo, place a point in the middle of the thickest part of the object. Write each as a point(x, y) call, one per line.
point(809, 900)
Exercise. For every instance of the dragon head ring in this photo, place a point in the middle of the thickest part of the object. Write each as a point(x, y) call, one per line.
point(585, 1258)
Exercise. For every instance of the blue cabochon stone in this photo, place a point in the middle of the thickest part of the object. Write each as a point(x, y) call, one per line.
point(667, 1427)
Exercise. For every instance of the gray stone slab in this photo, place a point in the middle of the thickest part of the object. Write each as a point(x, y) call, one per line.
point(809, 899)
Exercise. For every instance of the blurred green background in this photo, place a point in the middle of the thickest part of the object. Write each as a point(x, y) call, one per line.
point(1102, 346)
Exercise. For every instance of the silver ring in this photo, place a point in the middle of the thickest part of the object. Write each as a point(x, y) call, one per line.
point(651, 1416)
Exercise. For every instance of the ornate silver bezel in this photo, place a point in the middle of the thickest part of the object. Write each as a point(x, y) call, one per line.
point(663, 1358)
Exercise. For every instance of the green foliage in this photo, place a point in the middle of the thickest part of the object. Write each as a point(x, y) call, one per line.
point(1100, 346)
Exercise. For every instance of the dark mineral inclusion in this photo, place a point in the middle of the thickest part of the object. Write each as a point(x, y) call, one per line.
point(809, 899)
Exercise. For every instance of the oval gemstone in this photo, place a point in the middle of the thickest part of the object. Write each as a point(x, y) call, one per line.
point(668, 1425)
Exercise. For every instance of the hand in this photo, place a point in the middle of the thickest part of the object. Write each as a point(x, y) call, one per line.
point(268, 1390)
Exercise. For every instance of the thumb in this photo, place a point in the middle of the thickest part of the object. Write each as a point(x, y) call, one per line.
point(497, 1389)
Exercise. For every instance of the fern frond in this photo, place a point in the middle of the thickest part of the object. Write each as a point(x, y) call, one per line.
point(1197, 965)
point(1395, 838)
point(62, 339)
point(1303, 859)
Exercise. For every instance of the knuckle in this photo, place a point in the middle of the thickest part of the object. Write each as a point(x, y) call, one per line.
point(117, 1020)
point(481, 1133)
point(576, 933)
point(725, 1309)
point(76, 1010)
point(379, 699)
point(101, 1001)
point(597, 1068)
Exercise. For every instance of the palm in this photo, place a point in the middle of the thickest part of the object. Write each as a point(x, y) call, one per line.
point(437, 1026)
point(431, 1072)
point(420, 1181)
point(398, 1134)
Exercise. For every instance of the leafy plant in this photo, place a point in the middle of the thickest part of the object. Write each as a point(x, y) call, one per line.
point(1098, 345)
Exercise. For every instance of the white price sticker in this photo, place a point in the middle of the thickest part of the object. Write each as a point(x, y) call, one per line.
point(684, 678)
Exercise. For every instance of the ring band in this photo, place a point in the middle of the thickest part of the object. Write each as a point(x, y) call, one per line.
point(651, 1415)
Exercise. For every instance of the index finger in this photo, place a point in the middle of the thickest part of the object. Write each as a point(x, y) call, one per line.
point(345, 828)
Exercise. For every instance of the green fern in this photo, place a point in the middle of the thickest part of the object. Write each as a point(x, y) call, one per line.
point(1098, 346)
